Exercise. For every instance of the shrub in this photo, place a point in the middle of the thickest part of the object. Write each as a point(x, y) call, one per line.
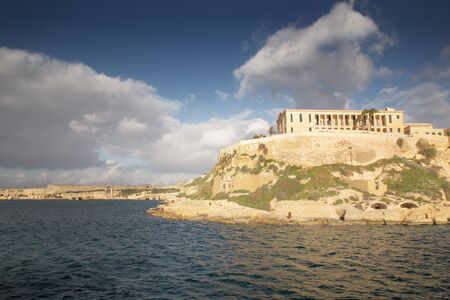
point(274, 168)
point(427, 150)
point(245, 169)
point(338, 202)
point(400, 142)
point(257, 136)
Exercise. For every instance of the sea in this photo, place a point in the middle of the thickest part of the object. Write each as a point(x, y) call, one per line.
point(116, 250)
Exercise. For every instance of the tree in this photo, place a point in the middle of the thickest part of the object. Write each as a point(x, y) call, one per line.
point(271, 130)
point(370, 112)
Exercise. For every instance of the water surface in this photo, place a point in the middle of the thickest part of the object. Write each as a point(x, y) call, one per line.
point(114, 249)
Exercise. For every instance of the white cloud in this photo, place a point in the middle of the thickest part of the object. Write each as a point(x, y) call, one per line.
point(428, 102)
point(131, 125)
point(430, 72)
point(194, 147)
point(384, 71)
point(316, 63)
point(56, 115)
point(222, 95)
point(78, 126)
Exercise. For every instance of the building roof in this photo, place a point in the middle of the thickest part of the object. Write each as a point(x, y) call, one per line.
point(341, 110)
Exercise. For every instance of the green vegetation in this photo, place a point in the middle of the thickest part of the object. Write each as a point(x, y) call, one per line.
point(241, 191)
point(259, 199)
point(386, 200)
point(288, 187)
point(414, 178)
point(258, 136)
point(197, 181)
point(204, 191)
point(221, 196)
point(338, 202)
point(427, 150)
point(163, 191)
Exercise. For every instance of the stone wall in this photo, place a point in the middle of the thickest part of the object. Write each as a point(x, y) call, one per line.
point(315, 149)
point(318, 148)
point(240, 182)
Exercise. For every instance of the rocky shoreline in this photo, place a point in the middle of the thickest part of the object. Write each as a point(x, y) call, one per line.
point(299, 212)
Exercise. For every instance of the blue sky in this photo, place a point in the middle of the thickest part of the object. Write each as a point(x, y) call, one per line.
point(184, 48)
point(193, 53)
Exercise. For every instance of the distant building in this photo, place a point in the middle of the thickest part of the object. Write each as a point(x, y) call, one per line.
point(424, 129)
point(388, 120)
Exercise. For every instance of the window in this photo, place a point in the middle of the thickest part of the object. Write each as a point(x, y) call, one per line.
point(398, 130)
point(310, 129)
point(309, 118)
point(390, 119)
point(433, 133)
point(398, 117)
point(292, 129)
point(292, 118)
point(439, 133)
point(300, 118)
point(390, 129)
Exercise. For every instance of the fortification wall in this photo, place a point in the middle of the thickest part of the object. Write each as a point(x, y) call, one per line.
point(318, 148)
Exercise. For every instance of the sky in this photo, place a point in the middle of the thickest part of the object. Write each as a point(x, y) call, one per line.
point(149, 91)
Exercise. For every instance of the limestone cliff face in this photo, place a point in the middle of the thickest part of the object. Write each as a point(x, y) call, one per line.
point(251, 164)
point(324, 165)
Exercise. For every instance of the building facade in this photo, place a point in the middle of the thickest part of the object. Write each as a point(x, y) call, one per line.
point(424, 129)
point(307, 120)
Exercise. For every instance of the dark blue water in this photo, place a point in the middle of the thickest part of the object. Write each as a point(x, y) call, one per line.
point(113, 249)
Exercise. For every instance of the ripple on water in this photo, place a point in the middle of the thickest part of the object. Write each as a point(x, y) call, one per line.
point(113, 249)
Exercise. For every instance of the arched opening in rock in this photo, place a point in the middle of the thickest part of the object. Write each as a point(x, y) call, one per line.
point(379, 205)
point(341, 213)
point(408, 205)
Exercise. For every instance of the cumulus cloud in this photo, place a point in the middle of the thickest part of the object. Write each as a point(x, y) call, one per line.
point(427, 102)
point(222, 95)
point(66, 123)
point(55, 114)
point(194, 147)
point(320, 65)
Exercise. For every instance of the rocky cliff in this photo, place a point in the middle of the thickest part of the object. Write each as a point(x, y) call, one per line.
point(356, 172)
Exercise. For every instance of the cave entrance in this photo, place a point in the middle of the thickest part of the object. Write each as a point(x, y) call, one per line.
point(379, 205)
point(408, 205)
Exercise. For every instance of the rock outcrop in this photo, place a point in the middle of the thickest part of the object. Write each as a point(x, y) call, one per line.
point(322, 177)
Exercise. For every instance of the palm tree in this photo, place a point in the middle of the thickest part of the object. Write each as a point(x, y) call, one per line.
point(369, 112)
